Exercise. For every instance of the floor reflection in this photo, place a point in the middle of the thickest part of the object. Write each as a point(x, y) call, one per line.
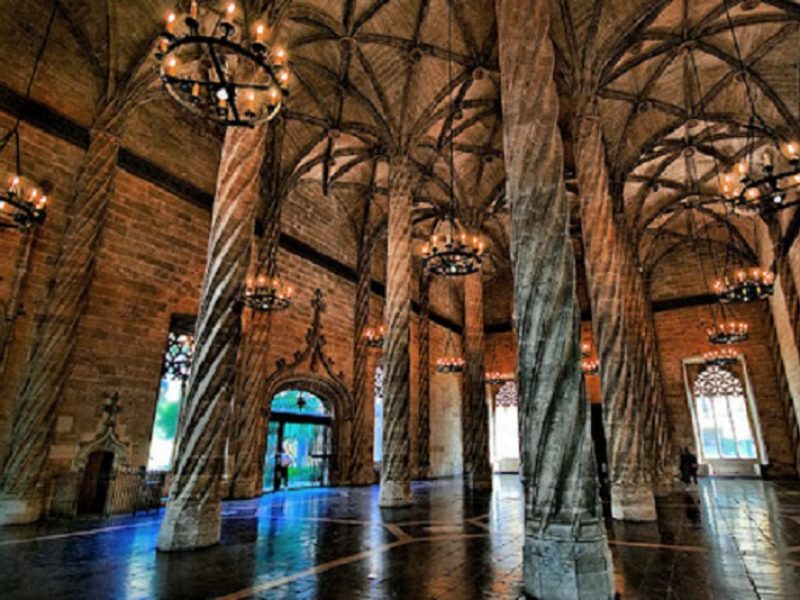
point(729, 539)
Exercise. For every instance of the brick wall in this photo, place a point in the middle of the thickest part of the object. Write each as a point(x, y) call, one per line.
point(149, 266)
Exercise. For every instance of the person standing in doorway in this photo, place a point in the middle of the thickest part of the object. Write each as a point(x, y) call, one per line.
point(283, 461)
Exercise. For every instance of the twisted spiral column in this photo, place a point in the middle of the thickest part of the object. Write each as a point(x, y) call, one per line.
point(192, 518)
point(22, 482)
point(361, 472)
point(566, 552)
point(248, 428)
point(424, 377)
point(618, 317)
point(395, 468)
point(475, 418)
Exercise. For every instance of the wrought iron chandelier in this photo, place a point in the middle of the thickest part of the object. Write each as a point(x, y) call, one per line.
point(723, 357)
point(730, 332)
point(453, 253)
point(498, 378)
point(450, 362)
point(745, 286)
point(761, 183)
point(374, 336)
point(23, 203)
point(268, 293)
point(590, 366)
point(232, 78)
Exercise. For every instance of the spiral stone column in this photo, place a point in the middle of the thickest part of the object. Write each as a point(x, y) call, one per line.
point(566, 552)
point(618, 318)
point(475, 418)
point(192, 518)
point(361, 472)
point(22, 485)
point(395, 468)
point(248, 426)
point(424, 377)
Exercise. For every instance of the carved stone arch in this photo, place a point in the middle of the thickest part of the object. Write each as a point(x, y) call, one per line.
point(312, 370)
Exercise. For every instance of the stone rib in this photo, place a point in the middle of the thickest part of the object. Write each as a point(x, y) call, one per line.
point(566, 553)
point(192, 518)
point(51, 356)
point(475, 418)
point(618, 314)
point(424, 377)
point(395, 467)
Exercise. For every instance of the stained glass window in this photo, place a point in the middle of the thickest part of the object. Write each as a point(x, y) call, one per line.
point(171, 391)
point(506, 423)
point(298, 403)
point(377, 430)
point(725, 430)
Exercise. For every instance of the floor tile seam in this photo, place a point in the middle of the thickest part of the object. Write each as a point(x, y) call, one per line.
point(316, 569)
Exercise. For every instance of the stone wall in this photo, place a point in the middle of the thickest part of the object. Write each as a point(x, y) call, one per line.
point(149, 267)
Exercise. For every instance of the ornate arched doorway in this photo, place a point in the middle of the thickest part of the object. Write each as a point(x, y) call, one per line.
point(299, 441)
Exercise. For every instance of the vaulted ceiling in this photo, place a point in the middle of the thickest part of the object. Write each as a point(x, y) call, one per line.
point(372, 77)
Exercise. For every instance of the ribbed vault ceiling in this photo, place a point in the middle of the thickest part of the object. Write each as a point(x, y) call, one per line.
point(375, 77)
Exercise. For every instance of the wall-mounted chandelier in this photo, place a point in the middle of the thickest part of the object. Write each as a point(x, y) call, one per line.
point(729, 332)
point(745, 286)
point(450, 362)
point(268, 293)
point(452, 252)
point(219, 73)
point(723, 357)
point(374, 336)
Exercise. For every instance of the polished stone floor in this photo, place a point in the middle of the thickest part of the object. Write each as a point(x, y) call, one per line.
point(741, 541)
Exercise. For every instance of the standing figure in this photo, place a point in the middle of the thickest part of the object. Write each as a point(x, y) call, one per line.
point(688, 466)
point(283, 460)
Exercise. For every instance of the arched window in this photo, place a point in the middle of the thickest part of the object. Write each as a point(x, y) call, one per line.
point(171, 391)
point(377, 428)
point(505, 428)
point(721, 408)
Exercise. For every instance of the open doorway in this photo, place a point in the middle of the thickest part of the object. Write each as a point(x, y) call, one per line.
point(299, 439)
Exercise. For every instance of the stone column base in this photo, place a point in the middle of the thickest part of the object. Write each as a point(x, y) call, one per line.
point(19, 511)
point(395, 494)
point(633, 503)
point(663, 487)
point(190, 525)
point(568, 569)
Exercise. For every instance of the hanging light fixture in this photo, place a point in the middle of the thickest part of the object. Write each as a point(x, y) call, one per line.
point(450, 362)
point(268, 293)
point(590, 366)
point(23, 203)
point(731, 332)
point(745, 286)
point(721, 358)
point(451, 252)
point(765, 178)
point(218, 73)
point(374, 336)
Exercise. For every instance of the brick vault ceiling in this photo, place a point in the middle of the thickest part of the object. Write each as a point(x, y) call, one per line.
point(371, 78)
